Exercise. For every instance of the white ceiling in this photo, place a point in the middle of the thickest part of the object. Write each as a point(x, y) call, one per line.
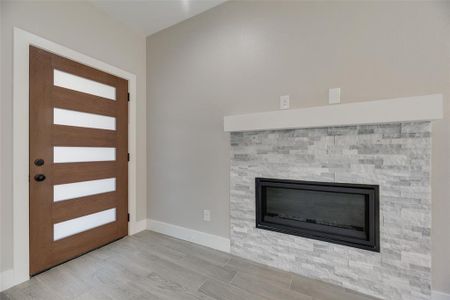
point(150, 16)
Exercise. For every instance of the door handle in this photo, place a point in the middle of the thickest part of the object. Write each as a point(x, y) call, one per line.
point(39, 162)
point(39, 177)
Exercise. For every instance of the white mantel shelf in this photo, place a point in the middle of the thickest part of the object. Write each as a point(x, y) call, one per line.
point(407, 109)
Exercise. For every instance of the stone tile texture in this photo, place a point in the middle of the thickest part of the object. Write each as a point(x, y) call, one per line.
point(397, 157)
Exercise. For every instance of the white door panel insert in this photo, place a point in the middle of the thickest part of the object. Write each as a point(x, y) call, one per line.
point(77, 225)
point(83, 154)
point(82, 119)
point(84, 188)
point(84, 85)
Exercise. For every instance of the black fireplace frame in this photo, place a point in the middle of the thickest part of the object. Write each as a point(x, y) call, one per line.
point(370, 242)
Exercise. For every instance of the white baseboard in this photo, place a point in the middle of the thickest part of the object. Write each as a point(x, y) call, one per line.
point(7, 279)
point(436, 295)
point(194, 236)
point(137, 226)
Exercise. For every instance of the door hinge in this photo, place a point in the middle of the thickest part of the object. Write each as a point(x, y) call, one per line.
point(128, 156)
point(128, 97)
point(128, 217)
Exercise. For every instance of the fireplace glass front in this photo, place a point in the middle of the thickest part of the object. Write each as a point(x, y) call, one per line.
point(334, 212)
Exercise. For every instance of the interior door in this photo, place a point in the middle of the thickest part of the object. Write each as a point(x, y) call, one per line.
point(78, 159)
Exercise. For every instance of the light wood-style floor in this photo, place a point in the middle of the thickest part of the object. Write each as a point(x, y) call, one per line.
point(154, 266)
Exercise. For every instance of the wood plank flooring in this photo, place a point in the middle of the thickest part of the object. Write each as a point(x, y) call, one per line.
point(149, 265)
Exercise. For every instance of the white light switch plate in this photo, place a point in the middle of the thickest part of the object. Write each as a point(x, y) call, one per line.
point(284, 102)
point(334, 96)
point(206, 215)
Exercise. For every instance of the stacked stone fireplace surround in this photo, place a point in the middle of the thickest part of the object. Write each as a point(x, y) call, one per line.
point(397, 157)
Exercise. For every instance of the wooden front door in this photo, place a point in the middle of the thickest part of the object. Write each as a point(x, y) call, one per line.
point(78, 159)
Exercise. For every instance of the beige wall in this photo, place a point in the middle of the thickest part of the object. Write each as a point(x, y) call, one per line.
point(241, 56)
point(79, 26)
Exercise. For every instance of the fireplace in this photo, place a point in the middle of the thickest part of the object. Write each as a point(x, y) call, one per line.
point(394, 156)
point(341, 213)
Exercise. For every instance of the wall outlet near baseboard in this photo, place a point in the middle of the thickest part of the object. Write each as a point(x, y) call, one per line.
point(334, 96)
point(284, 102)
point(206, 215)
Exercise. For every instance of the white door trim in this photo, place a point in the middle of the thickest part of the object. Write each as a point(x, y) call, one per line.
point(22, 41)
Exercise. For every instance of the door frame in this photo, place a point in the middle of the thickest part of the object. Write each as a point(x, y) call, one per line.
point(22, 41)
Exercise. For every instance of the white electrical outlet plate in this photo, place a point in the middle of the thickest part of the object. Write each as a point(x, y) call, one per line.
point(334, 96)
point(284, 102)
point(206, 215)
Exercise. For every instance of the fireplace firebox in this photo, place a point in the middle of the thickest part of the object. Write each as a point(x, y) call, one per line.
point(340, 213)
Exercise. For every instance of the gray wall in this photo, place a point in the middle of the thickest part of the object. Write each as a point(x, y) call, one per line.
point(79, 26)
point(241, 56)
